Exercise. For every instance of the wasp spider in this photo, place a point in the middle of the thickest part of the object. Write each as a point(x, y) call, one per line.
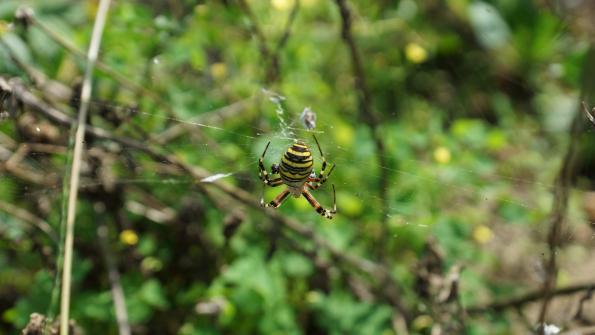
point(295, 171)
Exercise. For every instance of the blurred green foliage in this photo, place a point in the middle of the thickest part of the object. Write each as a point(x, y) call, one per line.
point(474, 97)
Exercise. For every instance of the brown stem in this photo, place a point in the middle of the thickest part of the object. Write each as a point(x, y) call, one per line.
point(287, 31)
point(557, 216)
point(367, 113)
point(26, 216)
point(528, 298)
point(271, 64)
point(114, 279)
point(270, 57)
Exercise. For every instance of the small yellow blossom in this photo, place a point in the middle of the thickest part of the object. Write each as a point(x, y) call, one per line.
point(128, 237)
point(351, 205)
point(308, 3)
point(313, 297)
point(482, 234)
point(415, 53)
point(201, 9)
point(218, 70)
point(282, 5)
point(151, 264)
point(422, 321)
point(344, 134)
point(442, 155)
point(4, 27)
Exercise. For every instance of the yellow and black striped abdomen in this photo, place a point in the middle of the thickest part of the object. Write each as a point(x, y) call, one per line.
point(296, 165)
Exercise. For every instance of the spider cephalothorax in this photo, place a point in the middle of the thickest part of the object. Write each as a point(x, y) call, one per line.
point(295, 171)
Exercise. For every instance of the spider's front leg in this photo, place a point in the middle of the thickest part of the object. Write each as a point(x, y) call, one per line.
point(316, 182)
point(264, 175)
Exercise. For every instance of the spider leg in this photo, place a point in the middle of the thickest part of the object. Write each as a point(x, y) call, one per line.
point(313, 185)
point(275, 182)
point(277, 201)
point(321, 178)
point(319, 209)
point(316, 182)
point(262, 171)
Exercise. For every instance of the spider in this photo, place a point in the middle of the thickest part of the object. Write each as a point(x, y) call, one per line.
point(295, 171)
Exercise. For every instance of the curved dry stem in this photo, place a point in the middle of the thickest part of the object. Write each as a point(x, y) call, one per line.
point(76, 163)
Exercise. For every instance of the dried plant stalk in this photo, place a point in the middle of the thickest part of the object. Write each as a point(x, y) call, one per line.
point(76, 163)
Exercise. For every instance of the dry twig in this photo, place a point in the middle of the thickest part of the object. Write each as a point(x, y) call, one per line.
point(100, 19)
point(114, 278)
point(270, 57)
point(528, 298)
point(30, 218)
point(557, 217)
point(366, 108)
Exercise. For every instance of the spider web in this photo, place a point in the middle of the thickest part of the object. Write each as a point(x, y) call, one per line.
point(447, 178)
point(290, 127)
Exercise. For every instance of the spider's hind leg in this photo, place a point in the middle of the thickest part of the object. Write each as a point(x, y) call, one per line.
point(327, 213)
point(277, 201)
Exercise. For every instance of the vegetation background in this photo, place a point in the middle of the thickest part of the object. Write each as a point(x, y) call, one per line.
point(464, 164)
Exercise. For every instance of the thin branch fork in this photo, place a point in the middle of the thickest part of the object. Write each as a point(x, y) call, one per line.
point(30, 218)
point(558, 216)
point(367, 113)
point(114, 278)
point(273, 71)
point(364, 95)
point(528, 298)
point(14, 166)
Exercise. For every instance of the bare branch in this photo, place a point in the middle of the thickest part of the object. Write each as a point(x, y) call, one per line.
point(114, 279)
point(528, 298)
point(14, 166)
point(557, 217)
point(367, 113)
point(30, 218)
point(580, 331)
point(287, 31)
point(270, 57)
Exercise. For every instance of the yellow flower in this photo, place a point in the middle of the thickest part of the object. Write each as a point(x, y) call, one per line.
point(313, 297)
point(308, 3)
point(4, 27)
point(282, 5)
point(442, 155)
point(422, 321)
point(128, 237)
point(344, 134)
point(482, 234)
point(218, 70)
point(201, 9)
point(415, 53)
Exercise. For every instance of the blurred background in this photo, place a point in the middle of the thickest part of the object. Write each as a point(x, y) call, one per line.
point(464, 166)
